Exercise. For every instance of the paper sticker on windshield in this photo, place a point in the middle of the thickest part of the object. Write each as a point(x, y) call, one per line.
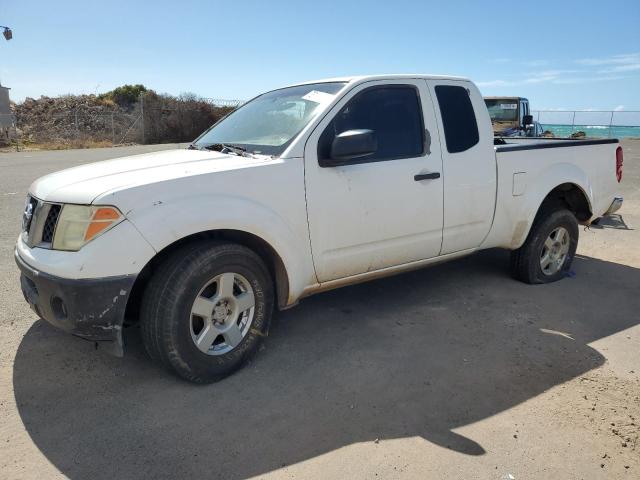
point(316, 96)
point(509, 106)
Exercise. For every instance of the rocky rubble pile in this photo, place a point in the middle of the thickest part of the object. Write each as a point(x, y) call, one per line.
point(128, 114)
point(71, 118)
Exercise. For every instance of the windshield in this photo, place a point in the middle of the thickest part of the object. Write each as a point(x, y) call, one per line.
point(268, 123)
point(503, 110)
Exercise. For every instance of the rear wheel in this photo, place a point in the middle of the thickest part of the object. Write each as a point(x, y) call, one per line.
point(548, 251)
point(206, 310)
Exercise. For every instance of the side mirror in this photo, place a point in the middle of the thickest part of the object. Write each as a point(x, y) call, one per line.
point(527, 120)
point(351, 145)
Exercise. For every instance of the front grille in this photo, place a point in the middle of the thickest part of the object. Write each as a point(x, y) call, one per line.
point(50, 224)
point(39, 222)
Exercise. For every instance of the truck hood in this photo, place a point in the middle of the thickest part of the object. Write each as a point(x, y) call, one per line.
point(83, 184)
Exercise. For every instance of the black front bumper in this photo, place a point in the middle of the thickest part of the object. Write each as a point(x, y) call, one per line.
point(92, 309)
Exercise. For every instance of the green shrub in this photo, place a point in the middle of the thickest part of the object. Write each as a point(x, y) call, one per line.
point(125, 96)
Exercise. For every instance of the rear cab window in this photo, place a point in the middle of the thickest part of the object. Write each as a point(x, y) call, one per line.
point(458, 118)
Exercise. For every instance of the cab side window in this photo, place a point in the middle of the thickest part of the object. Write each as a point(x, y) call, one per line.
point(458, 118)
point(394, 114)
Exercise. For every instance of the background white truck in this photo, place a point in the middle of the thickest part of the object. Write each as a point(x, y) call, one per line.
point(303, 189)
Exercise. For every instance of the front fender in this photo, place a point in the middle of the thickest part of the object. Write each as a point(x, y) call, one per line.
point(164, 222)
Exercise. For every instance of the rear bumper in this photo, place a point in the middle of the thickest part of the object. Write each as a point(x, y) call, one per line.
point(615, 206)
point(92, 309)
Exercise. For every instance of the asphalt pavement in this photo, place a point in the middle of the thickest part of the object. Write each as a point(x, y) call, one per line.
point(454, 371)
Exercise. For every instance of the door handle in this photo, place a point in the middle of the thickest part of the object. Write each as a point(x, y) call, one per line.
point(426, 176)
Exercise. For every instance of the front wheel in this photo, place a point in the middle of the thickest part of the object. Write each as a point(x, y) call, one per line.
point(206, 310)
point(548, 251)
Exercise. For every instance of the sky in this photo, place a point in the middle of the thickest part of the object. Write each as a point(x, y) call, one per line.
point(559, 54)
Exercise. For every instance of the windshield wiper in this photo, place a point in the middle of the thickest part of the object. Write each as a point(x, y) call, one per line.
point(237, 149)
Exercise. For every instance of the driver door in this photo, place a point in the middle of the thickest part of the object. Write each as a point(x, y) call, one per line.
point(384, 209)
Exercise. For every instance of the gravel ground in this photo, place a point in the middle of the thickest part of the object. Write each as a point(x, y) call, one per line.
point(455, 371)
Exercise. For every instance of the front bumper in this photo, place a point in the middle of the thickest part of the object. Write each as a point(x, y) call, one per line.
point(92, 309)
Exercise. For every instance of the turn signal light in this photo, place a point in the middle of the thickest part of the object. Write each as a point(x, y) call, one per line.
point(102, 219)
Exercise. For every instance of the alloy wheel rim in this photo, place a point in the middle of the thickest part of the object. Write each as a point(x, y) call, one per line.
point(222, 313)
point(554, 251)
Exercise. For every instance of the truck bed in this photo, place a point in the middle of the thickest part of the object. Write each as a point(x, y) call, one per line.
point(529, 168)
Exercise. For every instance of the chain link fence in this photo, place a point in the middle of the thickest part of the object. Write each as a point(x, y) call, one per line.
point(77, 127)
point(44, 123)
point(83, 121)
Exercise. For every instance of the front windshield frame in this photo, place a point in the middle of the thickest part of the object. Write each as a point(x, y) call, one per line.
point(323, 93)
point(492, 103)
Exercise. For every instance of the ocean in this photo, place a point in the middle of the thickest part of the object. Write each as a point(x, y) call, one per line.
point(593, 130)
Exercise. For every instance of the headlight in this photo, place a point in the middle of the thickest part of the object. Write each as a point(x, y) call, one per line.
point(79, 224)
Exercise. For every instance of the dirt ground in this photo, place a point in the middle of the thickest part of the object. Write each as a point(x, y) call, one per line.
point(455, 371)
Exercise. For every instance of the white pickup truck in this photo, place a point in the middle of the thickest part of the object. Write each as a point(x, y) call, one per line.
point(303, 189)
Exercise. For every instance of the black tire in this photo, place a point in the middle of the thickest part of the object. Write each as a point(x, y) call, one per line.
point(525, 261)
point(166, 313)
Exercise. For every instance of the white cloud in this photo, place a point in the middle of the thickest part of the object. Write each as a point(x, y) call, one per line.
point(589, 78)
point(627, 62)
point(536, 63)
point(556, 78)
point(621, 59)
point(587, 70)
point(630, 67)
point(619, 108)
point(495, 83)
point(546, 75)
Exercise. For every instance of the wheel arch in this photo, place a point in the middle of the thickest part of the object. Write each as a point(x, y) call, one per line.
point(261, 247)
point(573, 197)
point(570, 195)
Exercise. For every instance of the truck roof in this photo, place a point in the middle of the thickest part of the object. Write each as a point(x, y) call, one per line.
point(507, 97)
point(395, 76)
